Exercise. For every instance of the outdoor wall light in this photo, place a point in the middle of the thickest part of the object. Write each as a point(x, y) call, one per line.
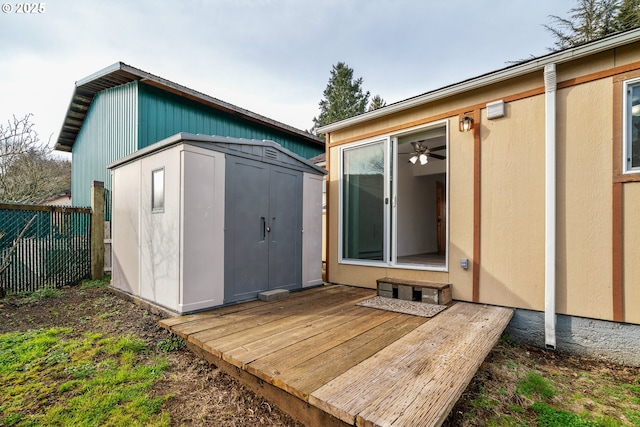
point(466, 124)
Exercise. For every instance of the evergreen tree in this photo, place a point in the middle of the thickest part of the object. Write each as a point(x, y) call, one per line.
point(376, 102)
point(628, 15)
point(343, 97)
point(589, 20)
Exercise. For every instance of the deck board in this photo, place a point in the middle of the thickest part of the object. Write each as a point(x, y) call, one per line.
point(360, 365)
point(436, 361)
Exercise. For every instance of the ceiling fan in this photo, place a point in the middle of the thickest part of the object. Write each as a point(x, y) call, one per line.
point(422, 153)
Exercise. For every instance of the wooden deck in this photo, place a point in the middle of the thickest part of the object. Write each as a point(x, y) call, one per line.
point(326, 361)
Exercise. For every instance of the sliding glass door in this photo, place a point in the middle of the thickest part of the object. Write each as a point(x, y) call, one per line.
point(363, 195)
point(393, 198)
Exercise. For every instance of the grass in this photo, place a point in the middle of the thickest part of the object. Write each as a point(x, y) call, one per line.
point(516, 388)
point(87, 381)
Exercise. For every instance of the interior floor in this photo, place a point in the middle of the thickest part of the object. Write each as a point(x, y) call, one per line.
point(433, 258)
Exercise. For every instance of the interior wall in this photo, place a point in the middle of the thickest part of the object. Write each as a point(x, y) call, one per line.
point(417, 216)
point(125, 228)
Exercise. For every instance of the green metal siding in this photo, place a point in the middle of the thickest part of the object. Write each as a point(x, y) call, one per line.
point(108, 133)
point(163, 114)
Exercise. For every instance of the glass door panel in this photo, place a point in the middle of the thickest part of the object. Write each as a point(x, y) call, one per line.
point(363, 192)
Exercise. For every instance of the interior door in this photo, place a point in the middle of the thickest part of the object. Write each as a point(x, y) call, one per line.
point(263, 225)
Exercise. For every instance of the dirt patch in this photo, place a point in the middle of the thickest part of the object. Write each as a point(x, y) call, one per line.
point(200, 393)
point(203, 395)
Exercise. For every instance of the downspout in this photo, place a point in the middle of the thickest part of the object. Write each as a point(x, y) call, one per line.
point(550, 207)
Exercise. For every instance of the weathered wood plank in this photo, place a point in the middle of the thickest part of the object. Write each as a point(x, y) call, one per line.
point(204, 329)
point(307, 377)
point(294, 316)
point(245, 306)
point(411, 381)
point(272, 365)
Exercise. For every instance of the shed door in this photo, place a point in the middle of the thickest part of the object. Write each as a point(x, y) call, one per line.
point(263, 241)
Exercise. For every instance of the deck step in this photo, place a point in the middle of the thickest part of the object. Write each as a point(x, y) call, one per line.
point(273, 295)
point(415, 290)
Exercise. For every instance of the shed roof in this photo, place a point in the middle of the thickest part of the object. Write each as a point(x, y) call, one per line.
point(265, 150)
point(610, 42)
point(120, 73)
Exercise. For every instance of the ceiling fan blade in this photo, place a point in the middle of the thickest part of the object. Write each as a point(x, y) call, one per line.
point(441, 147)
point(437, 156)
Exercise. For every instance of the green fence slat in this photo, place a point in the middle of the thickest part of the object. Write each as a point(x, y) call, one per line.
point(54, 252)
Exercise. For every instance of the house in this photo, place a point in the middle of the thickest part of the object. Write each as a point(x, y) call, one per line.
point(59, 199)
point(201, 221)
point(121, 109)
point(520, 188)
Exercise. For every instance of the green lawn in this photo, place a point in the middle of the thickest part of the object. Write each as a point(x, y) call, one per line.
point(49, 377)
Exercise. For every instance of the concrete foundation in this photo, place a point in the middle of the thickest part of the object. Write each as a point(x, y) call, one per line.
point(600, 339)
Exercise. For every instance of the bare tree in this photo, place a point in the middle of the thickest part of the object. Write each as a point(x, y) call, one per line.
point(28, 172)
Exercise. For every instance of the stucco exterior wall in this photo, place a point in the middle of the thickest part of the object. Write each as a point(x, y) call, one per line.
point(512, 211)
point(631, 226)
point(584, 194)
point(461, 181)
point(512, 192)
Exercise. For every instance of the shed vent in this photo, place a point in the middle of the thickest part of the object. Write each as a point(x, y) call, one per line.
point(270, 153)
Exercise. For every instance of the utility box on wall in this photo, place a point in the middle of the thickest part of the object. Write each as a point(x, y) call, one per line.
point(201, 221)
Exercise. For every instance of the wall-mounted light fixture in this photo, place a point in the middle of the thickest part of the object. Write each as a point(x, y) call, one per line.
point(466, 124)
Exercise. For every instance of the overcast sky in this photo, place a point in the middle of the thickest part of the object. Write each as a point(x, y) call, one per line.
point(272, 57)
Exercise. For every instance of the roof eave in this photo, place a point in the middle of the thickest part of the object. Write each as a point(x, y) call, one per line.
point(86, 89)
point(498, 76)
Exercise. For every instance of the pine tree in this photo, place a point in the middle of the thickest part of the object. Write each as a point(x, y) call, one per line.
point(628, 15)
point(343, 97)
point(589, 20)
point(376, 102)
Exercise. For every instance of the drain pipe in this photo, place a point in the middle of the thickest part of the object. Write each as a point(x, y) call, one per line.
point(550, 207)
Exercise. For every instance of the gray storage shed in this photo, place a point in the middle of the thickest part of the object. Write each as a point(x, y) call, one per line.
point(200, 221)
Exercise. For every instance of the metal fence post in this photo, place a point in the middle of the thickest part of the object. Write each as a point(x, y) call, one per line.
point(97, 230)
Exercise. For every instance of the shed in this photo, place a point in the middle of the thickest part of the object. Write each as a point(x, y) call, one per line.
point(201, 221)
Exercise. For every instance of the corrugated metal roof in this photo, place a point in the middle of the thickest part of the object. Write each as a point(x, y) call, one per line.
point(120, 73)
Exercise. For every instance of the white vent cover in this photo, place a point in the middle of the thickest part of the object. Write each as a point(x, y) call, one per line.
point(495, 110)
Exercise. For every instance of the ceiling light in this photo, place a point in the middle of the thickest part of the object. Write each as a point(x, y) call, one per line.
point(413, 159)
point(423, 159)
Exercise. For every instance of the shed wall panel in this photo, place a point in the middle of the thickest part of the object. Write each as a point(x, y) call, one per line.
point(125, 228)
point(202, 229)
point(312, 230)
point(160, 231)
